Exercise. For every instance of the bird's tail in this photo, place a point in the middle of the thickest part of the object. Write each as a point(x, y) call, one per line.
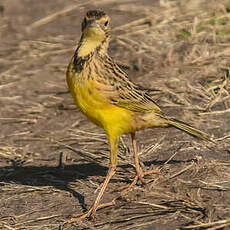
point(189, 129)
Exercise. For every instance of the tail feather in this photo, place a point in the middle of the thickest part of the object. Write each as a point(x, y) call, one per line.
point(189, 129)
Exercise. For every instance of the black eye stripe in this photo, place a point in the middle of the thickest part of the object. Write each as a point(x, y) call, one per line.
point(106, 23)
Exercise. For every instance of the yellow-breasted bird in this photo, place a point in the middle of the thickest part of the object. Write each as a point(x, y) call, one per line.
point(105, 95)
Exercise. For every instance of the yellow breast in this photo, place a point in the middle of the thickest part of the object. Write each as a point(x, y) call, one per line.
point(91, 101)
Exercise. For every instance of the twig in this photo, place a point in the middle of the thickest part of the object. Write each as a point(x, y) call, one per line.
point(154, 205)
point(87, 155)
point(8, 227)
point(222, 138)
point(170, 158)
point(18, 120)
point(215, 112)
point(180, 172)
point(38, 219)
point(54, 16)
point(62, 160)
point(206, 225)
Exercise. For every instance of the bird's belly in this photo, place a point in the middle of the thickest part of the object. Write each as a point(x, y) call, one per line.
point(95, 107)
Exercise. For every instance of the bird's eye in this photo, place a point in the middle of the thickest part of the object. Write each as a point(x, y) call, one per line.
point(106, 23)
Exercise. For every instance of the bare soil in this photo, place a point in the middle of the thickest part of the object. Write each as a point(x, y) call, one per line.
point(180, 51)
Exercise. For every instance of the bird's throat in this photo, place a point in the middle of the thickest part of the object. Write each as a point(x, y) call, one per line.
point(87, 47)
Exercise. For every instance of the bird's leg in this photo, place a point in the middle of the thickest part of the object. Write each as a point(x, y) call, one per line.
point(96, 205)
point(111, 172)
point(139, 172)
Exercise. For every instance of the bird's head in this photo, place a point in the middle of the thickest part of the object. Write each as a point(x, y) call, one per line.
point(96, 25)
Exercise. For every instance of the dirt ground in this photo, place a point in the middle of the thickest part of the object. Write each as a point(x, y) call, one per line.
point(180, 51)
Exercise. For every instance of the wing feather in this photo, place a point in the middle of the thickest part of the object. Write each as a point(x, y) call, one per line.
point(120, 91)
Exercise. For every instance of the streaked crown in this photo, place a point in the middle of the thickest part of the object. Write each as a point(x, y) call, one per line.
point(96, 19)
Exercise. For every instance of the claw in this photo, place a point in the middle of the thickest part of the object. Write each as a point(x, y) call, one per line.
point(140, 177)
point(76, 217)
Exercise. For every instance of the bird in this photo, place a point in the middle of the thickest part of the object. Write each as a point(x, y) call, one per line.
point(107, 97)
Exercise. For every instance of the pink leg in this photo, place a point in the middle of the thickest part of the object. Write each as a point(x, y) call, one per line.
point(139, 172)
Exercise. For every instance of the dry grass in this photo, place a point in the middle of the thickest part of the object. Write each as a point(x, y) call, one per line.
point(180, 48)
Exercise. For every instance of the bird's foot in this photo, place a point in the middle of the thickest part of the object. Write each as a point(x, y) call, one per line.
point(77, 217)
point(139, 176)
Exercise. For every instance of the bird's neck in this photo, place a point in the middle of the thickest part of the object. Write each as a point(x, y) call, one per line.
point(86, 50)
point(88, 46)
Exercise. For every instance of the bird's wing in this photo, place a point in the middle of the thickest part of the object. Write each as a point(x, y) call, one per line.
point(120, 91)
